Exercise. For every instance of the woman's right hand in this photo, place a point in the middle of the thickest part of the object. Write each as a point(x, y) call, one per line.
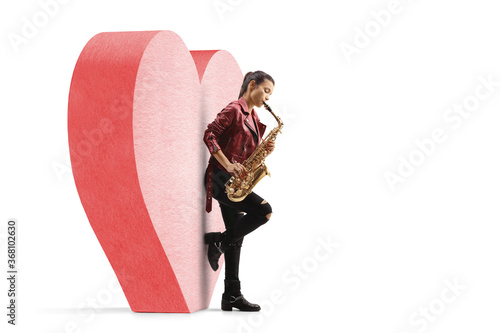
point(236, 169)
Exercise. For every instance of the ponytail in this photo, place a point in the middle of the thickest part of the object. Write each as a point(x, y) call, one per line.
point(258, 76)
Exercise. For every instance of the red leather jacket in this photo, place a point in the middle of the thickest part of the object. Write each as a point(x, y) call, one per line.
point(232, 132)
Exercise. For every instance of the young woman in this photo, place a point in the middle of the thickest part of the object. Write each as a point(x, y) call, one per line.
point(231, 138)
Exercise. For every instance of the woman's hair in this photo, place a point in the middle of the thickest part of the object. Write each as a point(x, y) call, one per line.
point(258, 76)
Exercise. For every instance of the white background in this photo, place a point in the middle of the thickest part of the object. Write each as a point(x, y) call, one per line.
point(348, 121)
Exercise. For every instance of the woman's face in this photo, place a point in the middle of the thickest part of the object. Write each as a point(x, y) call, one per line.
point(260, 93)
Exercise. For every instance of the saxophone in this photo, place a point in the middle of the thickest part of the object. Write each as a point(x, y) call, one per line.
point(238, 187)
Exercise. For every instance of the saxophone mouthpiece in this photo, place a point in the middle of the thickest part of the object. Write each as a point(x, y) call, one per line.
point(266, 106)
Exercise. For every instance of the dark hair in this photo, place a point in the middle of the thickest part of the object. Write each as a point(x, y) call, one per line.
point(258, 76)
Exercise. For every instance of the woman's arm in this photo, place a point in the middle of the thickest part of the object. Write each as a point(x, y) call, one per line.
point(222, 121)
point(235, 168)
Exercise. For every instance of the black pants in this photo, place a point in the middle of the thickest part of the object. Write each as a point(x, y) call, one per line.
point(238, 224)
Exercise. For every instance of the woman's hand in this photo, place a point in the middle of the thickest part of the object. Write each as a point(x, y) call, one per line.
point(270, 147)
point(236, 168)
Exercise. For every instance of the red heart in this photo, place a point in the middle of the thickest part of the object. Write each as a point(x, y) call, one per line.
point(139, 103)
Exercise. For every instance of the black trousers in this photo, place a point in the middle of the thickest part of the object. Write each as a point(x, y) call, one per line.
point(240, 218)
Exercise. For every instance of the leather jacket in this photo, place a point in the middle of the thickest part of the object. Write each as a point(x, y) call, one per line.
point(232, 132)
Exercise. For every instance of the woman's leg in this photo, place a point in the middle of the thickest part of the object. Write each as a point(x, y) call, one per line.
point(232, 254)
point(232, 296)
point(238, 224)
point(258, 210)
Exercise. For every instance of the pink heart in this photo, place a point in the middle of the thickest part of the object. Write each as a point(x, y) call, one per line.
point(139, 103)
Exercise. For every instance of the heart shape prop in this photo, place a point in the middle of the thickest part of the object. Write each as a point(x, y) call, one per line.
point(139, 103)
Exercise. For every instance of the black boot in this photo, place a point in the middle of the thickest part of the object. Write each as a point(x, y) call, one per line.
point(218, 243)
point(232, 298)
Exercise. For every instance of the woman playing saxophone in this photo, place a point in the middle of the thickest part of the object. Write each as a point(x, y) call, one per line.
point(231, 138)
